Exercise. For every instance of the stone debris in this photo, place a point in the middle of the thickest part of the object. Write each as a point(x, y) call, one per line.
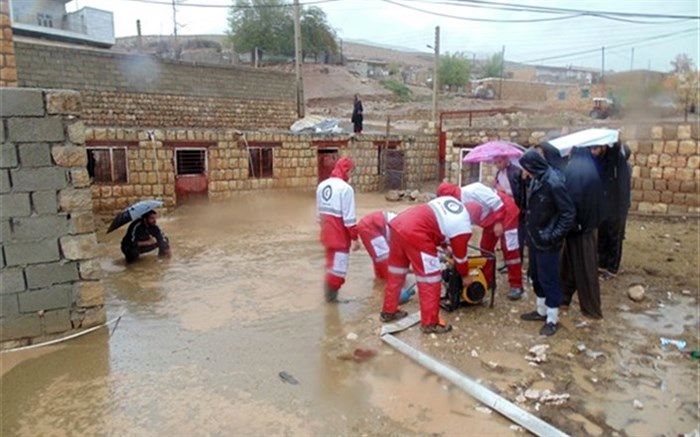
point(521, 399)
point(624, 308)
point(493, 364)
point(636, 293)
point(483, 410)
point(351, 336)
point(532, 394)
point(538, 353)
point(594, 355)
point(474, 353)
point(516, 428)
point(581, 347)
point(686, 292)
point(411, 195)
point(554, 399)
point(638, 404)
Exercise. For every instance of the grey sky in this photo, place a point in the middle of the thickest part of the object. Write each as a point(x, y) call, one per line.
point(377, 21)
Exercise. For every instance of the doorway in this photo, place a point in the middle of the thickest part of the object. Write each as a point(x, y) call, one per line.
point(191, 180)
point(326, 162)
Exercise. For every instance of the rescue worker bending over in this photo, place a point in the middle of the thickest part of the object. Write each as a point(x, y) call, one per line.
point(373, 231)
point(144, 236)
point(415, 235)
point(335, 210)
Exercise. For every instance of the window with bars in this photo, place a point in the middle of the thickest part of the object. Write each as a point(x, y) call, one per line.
point(191, 161)
point(107, 164)
point(260, 162)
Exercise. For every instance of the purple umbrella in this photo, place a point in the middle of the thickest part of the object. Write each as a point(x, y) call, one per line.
point(488, 152)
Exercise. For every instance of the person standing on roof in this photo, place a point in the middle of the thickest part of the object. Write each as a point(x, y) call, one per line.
point(550, 214)
point(335, 210)
point(498, 216)
point(373, 231)
point(357, 116)
point(415, 236)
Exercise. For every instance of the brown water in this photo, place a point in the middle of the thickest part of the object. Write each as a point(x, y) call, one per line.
point(205, 334)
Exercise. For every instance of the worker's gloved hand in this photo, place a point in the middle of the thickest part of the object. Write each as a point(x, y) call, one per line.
point(355, 245)
point(498, 230)
point(467, 281)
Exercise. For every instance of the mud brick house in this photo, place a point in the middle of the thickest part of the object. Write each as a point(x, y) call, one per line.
point(172, 129)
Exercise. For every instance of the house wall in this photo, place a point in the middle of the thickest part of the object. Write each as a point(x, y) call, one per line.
point(8, 70)
point(665, 162)
point(49, 279)
point(125, 90)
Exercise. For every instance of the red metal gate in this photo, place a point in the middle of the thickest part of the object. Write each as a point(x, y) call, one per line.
point(191, 173)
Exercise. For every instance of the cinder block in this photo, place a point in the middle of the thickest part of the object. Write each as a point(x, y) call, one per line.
point(21, 102)
point(45, 275)
point(22, 326)
point(15, 205)
point(31, 253)
point(57, 321)
point(8, 156)
point(4, 230)
point(45, 202)
point(12, 280)
point(31, 130)
point(79, 247)
point(5, 185)
point(36, 179)
point(9, 305)
point(39, 228)
point(52, 298)
point(35, 155)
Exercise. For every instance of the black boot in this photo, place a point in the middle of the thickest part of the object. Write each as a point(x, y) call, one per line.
point(330, 293)
point(533, 316)
point(549, 329)
point(391, 317)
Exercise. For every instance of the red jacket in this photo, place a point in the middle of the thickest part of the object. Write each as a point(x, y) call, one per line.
point(442, 220)
point(335, 207)
point(377, 222)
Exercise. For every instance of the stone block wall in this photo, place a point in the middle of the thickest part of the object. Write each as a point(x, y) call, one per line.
point(665, 161)
point(131, 91)
point(49, 281)
point(151, 167)
point(8, 70)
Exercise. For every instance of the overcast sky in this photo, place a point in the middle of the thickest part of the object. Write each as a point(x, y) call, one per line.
point(381, 22)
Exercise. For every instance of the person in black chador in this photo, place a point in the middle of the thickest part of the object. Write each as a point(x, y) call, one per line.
point(357, 115)
point(144, 236)
point(617, 184)
point(549, 217)
point(579, 264)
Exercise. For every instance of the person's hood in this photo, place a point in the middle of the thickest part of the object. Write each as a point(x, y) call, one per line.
point(448, 189)
point(342, 168)
point(552, 155)
point(534, 163)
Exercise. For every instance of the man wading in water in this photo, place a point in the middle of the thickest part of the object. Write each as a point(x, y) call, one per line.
point(144, 236)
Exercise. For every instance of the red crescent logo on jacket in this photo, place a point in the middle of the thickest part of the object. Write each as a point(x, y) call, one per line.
point(327, 192)
point(453, 206)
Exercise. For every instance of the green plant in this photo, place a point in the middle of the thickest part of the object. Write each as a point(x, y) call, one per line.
point(400, 90)
point(454, 70)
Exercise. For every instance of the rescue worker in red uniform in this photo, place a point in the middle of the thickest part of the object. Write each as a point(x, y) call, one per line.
point(373, 231)
point(415, 235)
point(498, 215)
point(335, 210)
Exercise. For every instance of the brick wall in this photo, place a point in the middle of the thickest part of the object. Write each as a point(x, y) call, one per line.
point(130, 90)
point(151, 170)
point(49, 280)
point(8, 71)
point(665, 162)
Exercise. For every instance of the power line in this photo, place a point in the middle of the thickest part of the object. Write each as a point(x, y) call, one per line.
point(210, 5)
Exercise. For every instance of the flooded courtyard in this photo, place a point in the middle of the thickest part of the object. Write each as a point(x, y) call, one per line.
point(205, 335)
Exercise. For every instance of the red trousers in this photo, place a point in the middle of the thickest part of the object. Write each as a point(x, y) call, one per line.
point(336, 267)
point(510, 249)
point(422, 256)
point(377, 248)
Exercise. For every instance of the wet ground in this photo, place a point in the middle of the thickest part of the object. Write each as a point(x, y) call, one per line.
point(206, 334)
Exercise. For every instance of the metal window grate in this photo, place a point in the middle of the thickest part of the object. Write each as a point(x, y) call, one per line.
point(191, 161)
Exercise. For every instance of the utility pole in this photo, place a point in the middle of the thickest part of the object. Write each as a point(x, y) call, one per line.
point(175, 43)
point(602, 67)
point(298, 60)
point(436, 64)
point(632, 60)
point(139, 40)
point(503, 63)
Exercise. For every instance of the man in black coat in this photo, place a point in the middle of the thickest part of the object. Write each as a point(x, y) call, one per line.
point(357, 116)
point(549, 217)
point(144, 236)
point(617, 184)
point(579, 265)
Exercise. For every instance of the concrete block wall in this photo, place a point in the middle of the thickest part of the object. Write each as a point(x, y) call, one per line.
point(49, 281)
point(151, 172)
point(131, 91)
point(665, 161)
point(8, 70)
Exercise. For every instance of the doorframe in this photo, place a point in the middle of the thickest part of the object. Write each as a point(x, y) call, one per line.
point(462, 153)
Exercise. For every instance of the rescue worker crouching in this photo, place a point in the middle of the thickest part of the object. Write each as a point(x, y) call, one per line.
point(144, 236)
point(373, 231)
point(335, 210)
point(415, 235)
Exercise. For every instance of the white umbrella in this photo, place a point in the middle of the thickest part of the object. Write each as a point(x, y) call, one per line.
point(586, 138)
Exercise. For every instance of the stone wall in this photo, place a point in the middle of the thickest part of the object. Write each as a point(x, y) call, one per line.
point(665, 162)
point(8, 71)
point(151, 166)
point(49, 280)
point(129, 90)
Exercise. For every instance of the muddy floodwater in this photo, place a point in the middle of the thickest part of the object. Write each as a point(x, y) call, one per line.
point(205, 335)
